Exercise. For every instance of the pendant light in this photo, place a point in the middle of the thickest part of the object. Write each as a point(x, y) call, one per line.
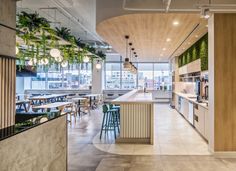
point(64, 64)
point(55, 53)
point(126, 63)
point(86, 59)
point(98, 65)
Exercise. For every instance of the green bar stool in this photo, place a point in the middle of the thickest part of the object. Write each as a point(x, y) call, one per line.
point(109, 121)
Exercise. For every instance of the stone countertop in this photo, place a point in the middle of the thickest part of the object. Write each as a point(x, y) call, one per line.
point(135, 96)
point(26, 125)
point(192, 98)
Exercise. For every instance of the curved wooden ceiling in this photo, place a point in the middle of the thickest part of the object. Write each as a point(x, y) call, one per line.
point(149, 33)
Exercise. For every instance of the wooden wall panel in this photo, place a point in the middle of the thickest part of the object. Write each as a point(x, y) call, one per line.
point(7, 91)
point(225, 82)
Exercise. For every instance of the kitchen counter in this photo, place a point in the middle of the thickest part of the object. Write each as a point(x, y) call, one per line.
point(192, 98)
point(135, 96)
point(136, 117)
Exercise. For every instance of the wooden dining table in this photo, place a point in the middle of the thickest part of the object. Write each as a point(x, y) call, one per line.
point(92, 97)
point(58, 105)
point(23, 103)
point(78, 100)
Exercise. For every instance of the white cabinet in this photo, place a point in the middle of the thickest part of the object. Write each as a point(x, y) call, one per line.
point(185, 107)
point(201, 120)
point(207, 125)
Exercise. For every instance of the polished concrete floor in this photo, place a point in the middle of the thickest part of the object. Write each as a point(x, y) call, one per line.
point(177, 147)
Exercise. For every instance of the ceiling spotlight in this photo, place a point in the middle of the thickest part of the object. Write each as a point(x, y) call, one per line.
point(196, 36)
point(188, 43)
point(207, 25)
point(183, 48)
point(164, 49)
point(205, 13)
point(168, 39)
point(175, 23)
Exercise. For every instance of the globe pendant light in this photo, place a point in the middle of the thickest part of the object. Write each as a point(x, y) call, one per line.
point(55, 53)
point(86, 59)
point(64, 64)
point(126, 64)
point(59, 59)
point(45, 61)
point(98, 65)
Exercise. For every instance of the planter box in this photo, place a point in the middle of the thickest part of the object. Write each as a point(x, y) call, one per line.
point(194, 66)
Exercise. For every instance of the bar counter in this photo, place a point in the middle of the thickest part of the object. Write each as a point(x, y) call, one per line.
point(136, 117)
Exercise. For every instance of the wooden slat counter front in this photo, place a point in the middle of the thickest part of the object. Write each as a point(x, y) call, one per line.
point(136, 117)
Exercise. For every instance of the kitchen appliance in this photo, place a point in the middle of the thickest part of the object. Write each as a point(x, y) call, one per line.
point(191, 113)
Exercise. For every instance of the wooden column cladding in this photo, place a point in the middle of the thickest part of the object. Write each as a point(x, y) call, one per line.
point(222, 81)
point(7, 91)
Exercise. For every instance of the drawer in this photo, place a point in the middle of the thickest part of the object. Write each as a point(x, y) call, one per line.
point(199, 119)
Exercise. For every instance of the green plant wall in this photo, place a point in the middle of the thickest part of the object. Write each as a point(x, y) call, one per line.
point(196, 51)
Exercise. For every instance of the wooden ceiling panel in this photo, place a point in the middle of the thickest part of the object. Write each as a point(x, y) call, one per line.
point(148, 33)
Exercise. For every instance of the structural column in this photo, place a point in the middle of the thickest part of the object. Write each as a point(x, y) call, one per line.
point(7, 62)
point(222, 82)
point(97, 78)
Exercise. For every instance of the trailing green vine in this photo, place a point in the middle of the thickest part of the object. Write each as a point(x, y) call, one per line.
point(39, 39)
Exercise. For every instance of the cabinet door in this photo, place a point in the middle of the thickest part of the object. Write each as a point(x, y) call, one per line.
point(207, 125)
point(176, 102)
point(185, 108)
point(199, 121)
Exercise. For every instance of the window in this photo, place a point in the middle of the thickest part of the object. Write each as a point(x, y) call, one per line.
point(162, 78)
point(75, 76)
point(150, 75)
point(112, 75)
point(129, 80)
point(145, 75)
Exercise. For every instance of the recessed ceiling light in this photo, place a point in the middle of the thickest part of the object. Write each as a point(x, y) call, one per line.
point(168, 39)
point(188, 43)
point(207, 25)
point(164, 49)
point(196, 36)
point(175, 23)
point(183, 48)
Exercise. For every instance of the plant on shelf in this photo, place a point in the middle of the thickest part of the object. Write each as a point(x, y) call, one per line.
point(31, 22)
point(64, 33)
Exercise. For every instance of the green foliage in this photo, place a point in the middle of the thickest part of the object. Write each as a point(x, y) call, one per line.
point(32, 21)
point(204, 55)
point(39, 38)
point(64, 33)
point(196, 51)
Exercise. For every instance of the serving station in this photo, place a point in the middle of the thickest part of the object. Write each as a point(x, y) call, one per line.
point(136, 117)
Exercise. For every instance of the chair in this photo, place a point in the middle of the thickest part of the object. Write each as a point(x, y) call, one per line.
point(71, 110)
point(110, 120)
point(84, 106)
